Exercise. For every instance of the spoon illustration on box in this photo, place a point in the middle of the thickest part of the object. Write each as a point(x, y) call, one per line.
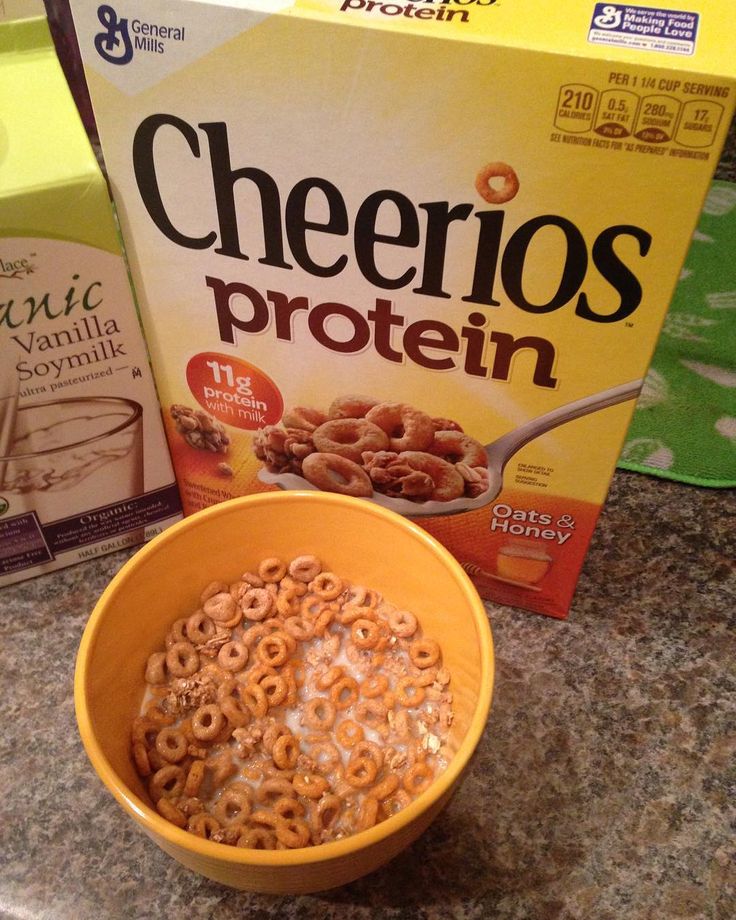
point(498, 452)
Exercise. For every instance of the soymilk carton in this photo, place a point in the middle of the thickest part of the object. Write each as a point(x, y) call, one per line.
point(84, 465)
point(417, 252)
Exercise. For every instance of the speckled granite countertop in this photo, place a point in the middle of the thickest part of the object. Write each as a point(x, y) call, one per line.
point(603, 789)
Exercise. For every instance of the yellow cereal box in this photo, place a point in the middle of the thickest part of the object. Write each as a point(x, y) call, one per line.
point(417, 252)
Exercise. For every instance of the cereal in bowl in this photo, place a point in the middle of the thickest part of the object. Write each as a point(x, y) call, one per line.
point(290, 709)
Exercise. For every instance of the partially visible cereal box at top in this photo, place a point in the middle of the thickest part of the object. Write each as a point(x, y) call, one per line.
point(84, 463)
point(417, 252)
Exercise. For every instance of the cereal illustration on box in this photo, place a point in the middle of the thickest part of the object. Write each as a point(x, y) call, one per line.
point(426, 267)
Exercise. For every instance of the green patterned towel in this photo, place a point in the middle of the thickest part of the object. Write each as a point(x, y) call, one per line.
point(684, 426)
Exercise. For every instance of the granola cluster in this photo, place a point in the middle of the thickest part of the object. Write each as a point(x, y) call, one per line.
point(199, 429)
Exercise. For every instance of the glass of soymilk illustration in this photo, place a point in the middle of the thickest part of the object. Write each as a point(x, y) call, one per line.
point(64, 452)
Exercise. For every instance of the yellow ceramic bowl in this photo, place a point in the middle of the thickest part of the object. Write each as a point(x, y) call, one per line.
point(356, 539)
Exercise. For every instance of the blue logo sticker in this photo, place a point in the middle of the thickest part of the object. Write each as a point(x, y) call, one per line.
point(644, 27)
point(114, 44)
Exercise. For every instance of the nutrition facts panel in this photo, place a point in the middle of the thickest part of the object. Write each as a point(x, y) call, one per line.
point(634, 116)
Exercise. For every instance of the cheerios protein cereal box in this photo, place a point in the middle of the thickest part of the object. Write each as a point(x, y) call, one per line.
point(84, 463)
point(416, 252)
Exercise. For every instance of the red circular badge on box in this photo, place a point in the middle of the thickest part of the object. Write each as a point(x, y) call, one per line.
point(233, 391)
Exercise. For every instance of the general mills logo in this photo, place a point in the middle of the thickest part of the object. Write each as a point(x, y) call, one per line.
point(608, 18)
point(114, 44)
